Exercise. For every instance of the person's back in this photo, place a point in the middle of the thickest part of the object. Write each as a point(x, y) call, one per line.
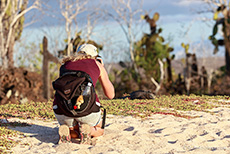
point(86, 65)
point(85, 61)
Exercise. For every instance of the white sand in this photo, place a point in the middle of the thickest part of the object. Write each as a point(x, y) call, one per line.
point(158, 134)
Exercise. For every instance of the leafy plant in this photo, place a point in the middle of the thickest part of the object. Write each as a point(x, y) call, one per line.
point(152, 47)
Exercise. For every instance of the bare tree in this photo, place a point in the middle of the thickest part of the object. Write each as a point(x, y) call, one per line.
point(125, 13)
point(12, 18)
point(69, 10)
point(92, 20)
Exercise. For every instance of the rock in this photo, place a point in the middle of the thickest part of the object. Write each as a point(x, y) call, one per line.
point(9, 93)
point(141, 94)
point(24, 100)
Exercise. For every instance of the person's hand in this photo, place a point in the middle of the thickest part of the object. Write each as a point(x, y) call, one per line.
point(100, 60)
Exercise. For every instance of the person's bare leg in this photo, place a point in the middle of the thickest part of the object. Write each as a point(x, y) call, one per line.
point(97, 131)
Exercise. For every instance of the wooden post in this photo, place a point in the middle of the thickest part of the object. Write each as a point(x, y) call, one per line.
point(45, 68)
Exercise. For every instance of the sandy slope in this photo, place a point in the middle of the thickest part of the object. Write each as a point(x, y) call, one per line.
point(128, 135)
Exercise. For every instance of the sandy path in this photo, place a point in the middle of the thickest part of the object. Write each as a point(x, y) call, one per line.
point(128, 135)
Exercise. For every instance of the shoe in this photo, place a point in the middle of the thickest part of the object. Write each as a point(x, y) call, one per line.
point(85, 134)
point(64, 134)
point(74, 134)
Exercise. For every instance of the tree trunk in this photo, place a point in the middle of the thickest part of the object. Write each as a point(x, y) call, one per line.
point(227, 42)
point(169, 70)
point(227, 57)
point(10, 51)
point(12, 20)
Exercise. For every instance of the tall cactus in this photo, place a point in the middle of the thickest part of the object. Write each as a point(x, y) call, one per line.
point(225, 41)
point(151, 48)
point(188, 69)
point(169, 65)
point(152, 21)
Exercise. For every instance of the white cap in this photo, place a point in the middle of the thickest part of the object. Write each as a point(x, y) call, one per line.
point(89, 49)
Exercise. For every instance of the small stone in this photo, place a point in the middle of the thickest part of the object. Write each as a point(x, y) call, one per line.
point(9, 93)
point(24, 100)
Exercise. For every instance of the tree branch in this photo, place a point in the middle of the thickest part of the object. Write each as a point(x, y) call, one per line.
point(122, 26)
point(158, 85)
point(4, 11)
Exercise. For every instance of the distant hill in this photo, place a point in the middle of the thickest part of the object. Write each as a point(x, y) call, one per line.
point(178, 65)
point(208, 63)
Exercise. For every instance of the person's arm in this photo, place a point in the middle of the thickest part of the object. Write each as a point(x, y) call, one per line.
point(105, 82)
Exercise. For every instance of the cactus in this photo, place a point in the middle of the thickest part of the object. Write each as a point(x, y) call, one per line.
point(156, 16)
point(187, 67)
point(150, 48)
point(75, 43)
point(221, 9)
point(186, 47)
point(152, 22)
point(191, 67)
point(225, 22)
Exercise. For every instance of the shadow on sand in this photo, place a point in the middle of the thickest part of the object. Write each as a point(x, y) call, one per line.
point(42, 133)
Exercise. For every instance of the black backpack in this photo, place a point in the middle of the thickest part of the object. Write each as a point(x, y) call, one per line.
point(69, 94)
point(69, 88)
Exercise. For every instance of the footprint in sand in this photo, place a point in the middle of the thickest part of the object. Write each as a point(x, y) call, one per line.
point(172, 142)
point(129, 129)
point(191, 137)
point(227, 136)
point(204, 133)
point(158, 131)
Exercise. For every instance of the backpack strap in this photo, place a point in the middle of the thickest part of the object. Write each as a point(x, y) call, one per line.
point(103, 118)
point(64, 71)
point(70, 106)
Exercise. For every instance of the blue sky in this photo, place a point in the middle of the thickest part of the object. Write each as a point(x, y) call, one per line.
point(178, 18)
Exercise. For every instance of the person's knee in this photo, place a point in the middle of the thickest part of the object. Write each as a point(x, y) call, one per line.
point(101, 131)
